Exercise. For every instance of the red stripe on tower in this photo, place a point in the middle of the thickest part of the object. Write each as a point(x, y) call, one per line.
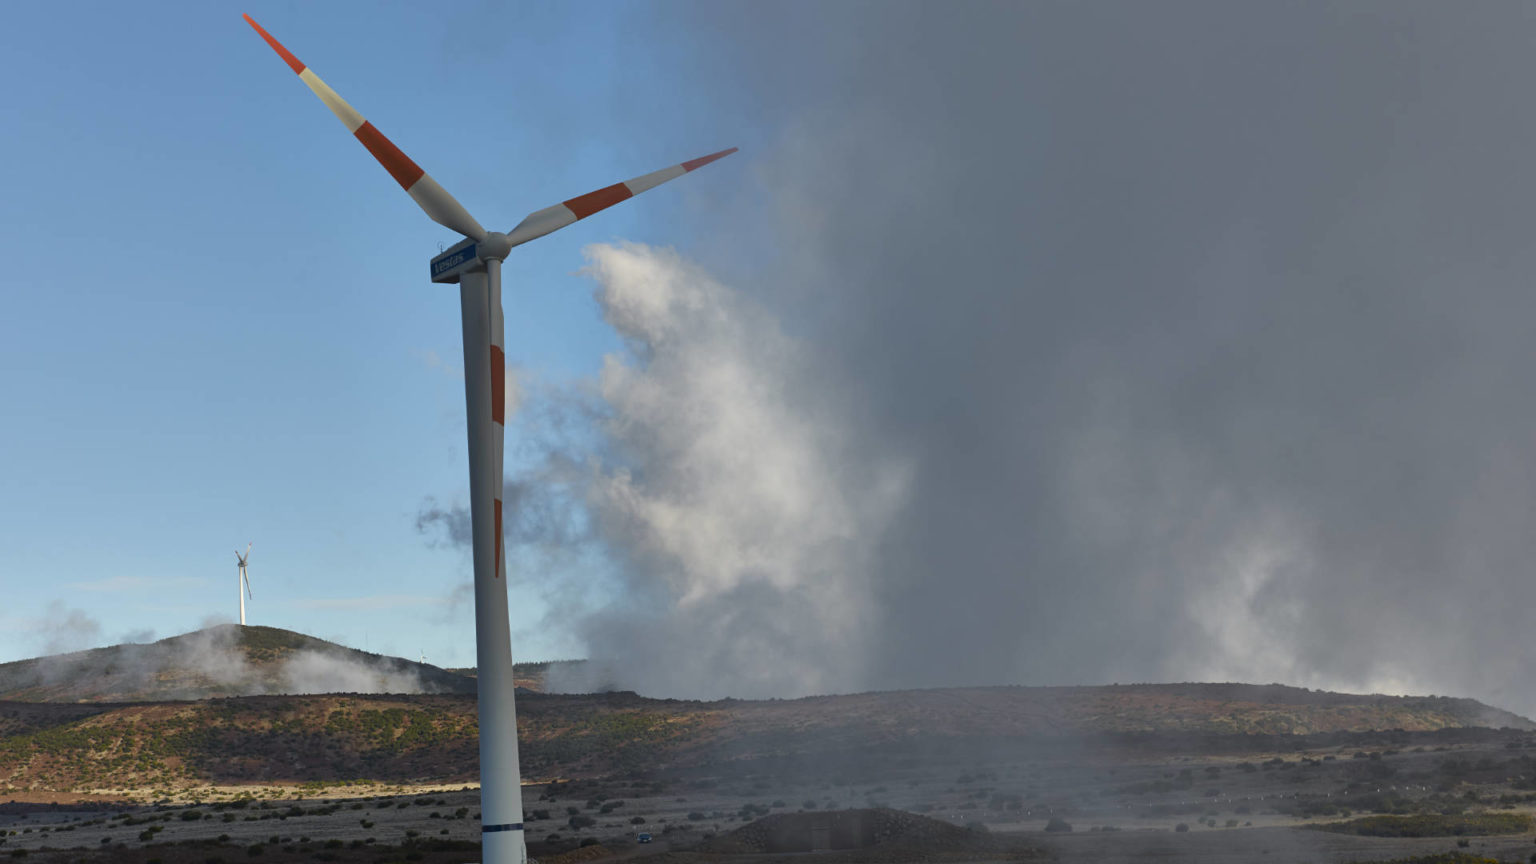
point(498, 385)
point(399, 165)
point(585, 205)
point(705, 160)
point(292, 61)
point(497, 564)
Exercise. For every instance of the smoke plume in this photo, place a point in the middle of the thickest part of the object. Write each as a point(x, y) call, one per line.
point(62, 629)
point(1077, 343)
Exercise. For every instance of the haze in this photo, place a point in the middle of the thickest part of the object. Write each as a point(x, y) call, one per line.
point(1034, 343)
point(1112, 342)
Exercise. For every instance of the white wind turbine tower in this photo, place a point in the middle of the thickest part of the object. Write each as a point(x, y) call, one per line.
point(244, 579)
point(475, 265)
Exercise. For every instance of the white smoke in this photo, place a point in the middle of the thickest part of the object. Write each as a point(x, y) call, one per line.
point(313, 672)
point(740, 535)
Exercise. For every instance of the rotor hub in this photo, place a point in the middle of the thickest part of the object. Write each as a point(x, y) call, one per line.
point(494, 247)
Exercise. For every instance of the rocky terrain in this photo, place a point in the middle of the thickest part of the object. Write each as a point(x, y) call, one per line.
point(104, 749)
point(1188, 772)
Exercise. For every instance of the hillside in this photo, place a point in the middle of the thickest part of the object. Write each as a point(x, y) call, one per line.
point(140, 716)
point(334, 738)
point(227, 660)
point(230, 660)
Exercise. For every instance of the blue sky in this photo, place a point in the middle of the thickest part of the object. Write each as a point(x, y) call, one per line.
point(1023, 342)
point(217, 326)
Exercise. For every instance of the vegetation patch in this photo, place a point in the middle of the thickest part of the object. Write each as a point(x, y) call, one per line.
point(1431, 825)
point(1443, 858)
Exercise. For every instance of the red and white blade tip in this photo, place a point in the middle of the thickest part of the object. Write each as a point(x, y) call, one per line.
point(292, 61)
point(541, 222)
point(705, 160)
point(428, 195)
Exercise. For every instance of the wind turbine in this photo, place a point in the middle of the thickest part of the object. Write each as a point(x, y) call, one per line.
point(244, 579)
point(475, 265)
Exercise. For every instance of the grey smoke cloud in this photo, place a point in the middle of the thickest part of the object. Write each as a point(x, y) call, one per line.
point(64, 629)
point(1074, 343)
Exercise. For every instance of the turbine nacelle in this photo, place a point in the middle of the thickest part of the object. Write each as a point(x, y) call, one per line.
point(470, 254)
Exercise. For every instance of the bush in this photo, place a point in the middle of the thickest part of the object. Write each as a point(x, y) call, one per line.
point(1058, 825)
point(1181, 827)
point(1426, 825)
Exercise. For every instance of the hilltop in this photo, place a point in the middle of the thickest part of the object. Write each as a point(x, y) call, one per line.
point(234, 660)
point(226, 660)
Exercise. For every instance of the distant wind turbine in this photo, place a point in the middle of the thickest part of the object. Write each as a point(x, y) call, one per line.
point(244, 579)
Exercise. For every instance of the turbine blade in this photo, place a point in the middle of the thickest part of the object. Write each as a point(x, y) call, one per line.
point(246, 577)
point(542, 222)
point(247, 555)
point(432, 198)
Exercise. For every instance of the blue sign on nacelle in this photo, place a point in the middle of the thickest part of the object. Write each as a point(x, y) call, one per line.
point(447, 266)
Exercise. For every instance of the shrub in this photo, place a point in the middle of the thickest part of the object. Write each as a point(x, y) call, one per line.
point(1181, 827)
point(1058, 825)
point(1427, 825)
